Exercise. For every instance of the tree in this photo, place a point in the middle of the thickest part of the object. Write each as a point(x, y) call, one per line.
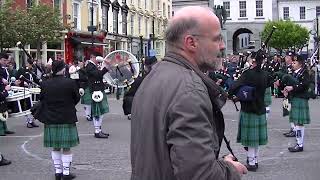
point(288, 35)
point(8, 21)
point(38, 24)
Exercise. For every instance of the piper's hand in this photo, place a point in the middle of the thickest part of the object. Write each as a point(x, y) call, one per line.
point(219, 81)
point(288, 88)
point(4, 81)
point(7, 88)
point(277, 83)
point(17, 82)
point(285, 93)
point(239, 167)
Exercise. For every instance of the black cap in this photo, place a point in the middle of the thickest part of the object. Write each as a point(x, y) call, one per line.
point(299, 58)
point(57, 66)
point(259, 56)
point(290, 53)
point(150, 60)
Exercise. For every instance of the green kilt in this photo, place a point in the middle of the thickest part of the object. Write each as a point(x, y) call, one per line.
point(86, 98)
point(267, 97)
point(100, 108)
point(299, 113)
point(252, 129)
point(2, 128)
point(60, 135)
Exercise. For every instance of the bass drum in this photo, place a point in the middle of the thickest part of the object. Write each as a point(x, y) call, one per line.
point(123, 69)
point(19, 102)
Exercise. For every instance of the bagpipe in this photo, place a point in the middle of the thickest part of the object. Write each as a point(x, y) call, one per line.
point(243, 65)
point(31, 61)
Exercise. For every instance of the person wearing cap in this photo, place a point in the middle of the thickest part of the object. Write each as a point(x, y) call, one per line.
point(299, 114)
point(4, 77)
point(25, 77)
point(59, 96)
point(99, 103)
point(252, 131)
point(285, 70)
point(128, 96)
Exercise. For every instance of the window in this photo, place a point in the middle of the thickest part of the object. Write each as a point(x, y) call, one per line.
point(317, 11)
point(139, 3)
point(124, 23)
point(158, 6)
point(243, 8)
point(164, 13)
point(259, 8)
point(169, 11)
point(146, 27)
point(115, 21)
point(76, 16)
point(56, 4)
point(29, 3)
point(302, 12)
point(152, 4)
point(94, 13)
point(145, 4)
point(139, 24)
point(159, 26)
point(285, 12)
point(226, 6)
point(132, 24)
point(105, 10)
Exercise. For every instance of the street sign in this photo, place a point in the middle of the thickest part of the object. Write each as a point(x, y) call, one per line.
point(92, 28)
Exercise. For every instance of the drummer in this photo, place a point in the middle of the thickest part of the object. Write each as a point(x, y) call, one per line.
point(4, 77)
point(99, 105)
point(25, 78)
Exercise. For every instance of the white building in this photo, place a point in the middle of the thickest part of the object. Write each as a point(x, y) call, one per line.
point(246, 18)
point(303, 13)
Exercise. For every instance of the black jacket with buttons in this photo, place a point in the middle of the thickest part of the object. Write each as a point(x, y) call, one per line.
point(95, 77)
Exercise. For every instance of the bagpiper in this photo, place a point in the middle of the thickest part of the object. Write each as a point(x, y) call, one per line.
point(299, 95)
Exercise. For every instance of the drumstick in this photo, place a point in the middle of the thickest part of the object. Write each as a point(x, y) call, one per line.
point(117, 67)
point(130, 64)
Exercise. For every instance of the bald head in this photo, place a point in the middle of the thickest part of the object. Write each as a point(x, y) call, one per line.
point(191, 19)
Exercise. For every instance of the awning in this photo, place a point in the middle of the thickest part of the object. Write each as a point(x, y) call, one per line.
point(87, 41)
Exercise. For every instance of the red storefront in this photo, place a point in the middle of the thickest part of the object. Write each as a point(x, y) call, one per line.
point(79, 46)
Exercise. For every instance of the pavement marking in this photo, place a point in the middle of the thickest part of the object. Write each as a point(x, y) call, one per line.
point(23, 147)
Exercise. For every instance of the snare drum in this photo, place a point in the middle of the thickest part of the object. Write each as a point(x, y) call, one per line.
point(19, 102)
point(35, 94)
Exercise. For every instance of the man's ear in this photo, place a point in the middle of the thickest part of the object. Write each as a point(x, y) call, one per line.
point(190, 43)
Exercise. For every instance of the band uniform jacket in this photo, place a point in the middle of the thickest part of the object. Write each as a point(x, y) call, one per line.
point(59, 96)
point(300, 90)
point(95, 77)
point(27, 75)
point(4, 73)
point(259, 79)
point(172, 137)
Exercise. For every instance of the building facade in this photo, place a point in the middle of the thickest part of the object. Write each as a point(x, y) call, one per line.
point(246, 18)
point(133, 25)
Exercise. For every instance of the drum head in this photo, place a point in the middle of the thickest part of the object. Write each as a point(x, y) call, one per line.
point(123, 68)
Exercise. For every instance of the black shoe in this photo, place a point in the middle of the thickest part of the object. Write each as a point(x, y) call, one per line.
point(58, 176)
point(29, 125)
point(295, 148)
point(107, 134)
point(34, 124)
point(291, 134)
point(255, 163)
point(4, 162)
point(67, 177)
point(288, 132)
point(252, 168)
point(3, 135)
point(100, 135)
point(245, 148)
point(129, 117)
point(89, 118)
point(9, 132)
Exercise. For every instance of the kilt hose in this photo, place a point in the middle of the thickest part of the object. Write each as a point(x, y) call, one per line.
point(60, 135)
point(100, 108)
point(252, 129)
point(267, 97)
point(86, 98)
point(2, 128)
point(299, 113)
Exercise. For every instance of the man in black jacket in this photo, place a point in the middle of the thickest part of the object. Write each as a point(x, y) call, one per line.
point(99, 103)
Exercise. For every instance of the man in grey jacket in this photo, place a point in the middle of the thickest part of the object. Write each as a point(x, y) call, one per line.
point(177, 125)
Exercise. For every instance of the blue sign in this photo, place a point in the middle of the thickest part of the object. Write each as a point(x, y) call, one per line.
point(152, 52)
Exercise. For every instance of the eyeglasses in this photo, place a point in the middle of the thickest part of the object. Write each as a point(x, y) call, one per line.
point(215, 39)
